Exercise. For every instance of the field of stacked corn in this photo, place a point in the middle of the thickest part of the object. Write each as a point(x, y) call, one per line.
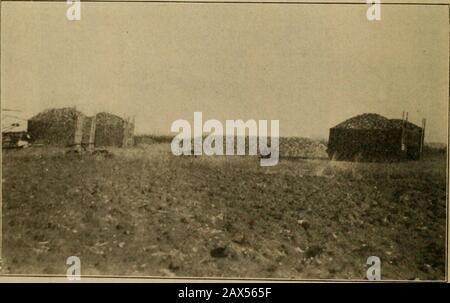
point(145, 212)
point(289, 147)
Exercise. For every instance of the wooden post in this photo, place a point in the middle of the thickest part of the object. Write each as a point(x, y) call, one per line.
point(91, 145)
point(132, 130)
point(422, 139)
point(403, 132)
point(405, 136)
point(125, 132)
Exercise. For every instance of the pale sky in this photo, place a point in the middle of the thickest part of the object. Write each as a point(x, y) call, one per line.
point(309, 66)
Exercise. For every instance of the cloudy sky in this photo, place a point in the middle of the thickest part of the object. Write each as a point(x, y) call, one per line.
point(309, 66)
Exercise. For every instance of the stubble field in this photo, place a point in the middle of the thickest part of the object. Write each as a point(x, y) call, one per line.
point(145, 212)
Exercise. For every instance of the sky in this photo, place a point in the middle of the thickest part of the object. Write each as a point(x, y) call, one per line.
point(308, 66)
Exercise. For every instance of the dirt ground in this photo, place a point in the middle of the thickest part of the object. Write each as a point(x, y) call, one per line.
point(145, 212)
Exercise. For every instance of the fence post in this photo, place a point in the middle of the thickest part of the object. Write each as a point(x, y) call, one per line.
point(78, 132)
point(422, 139)
point(91, 145)
point(402, 147)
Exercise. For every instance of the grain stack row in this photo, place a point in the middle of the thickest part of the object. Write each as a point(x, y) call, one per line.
point(289, 147)
point(65, 126)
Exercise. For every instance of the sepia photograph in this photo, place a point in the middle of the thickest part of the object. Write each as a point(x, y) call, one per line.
point(215, 140)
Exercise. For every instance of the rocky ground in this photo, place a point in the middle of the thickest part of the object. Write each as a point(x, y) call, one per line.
point(142, 211)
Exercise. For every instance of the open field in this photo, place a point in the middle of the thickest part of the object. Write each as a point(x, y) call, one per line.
point(146, 212)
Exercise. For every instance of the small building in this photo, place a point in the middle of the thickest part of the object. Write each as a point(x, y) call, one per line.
point(372, 137)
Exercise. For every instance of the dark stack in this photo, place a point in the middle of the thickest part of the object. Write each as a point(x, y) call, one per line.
point(54, 126)
point(372, 137)
point(109, 130)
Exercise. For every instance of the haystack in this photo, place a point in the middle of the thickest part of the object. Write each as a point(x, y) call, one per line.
point(365, 121)
point(109, 130)
point(54, 126)
point(372, 137)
